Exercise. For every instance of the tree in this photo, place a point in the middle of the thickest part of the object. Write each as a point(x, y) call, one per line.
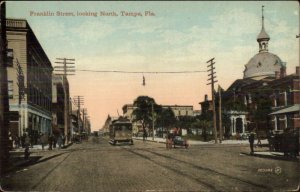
point(261, 112)
point(185, 122)
point(166, 118)
point(143, 111)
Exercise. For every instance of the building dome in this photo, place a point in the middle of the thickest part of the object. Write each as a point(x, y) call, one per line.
point(263, 64)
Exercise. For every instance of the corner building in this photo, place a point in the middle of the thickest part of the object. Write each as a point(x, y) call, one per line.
point(33, 111)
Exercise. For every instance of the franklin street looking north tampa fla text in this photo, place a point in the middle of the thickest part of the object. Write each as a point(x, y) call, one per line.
point(91, 13)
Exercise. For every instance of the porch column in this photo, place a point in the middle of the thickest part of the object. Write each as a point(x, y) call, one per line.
point(244, 120)
point(275, 122)
point(285, 121)
point(233, 125)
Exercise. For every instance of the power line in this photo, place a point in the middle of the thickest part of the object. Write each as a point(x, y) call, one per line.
point(148, 72)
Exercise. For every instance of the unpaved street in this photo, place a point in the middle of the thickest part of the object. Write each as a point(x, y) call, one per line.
point(95, 165)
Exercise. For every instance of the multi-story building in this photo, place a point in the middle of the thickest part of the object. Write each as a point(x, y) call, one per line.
point(34, 108)
point(286, 101)
point(181, 110)
point(248, 101)
point(60, 107)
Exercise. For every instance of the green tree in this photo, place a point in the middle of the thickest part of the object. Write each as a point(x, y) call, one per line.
point(166, 119)
point(143, 111)
point(185, 122)
point(261, 112)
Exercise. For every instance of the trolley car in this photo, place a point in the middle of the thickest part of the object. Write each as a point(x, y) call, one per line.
point(120, 131)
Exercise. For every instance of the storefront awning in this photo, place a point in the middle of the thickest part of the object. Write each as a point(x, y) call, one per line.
point(291, 109)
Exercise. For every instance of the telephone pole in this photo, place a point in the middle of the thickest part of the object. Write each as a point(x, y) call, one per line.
point(79, 101)
point(4, 102)
point(152, 121)
point(65, 68)
point(220, 114)
point(212, 83)
point(84, 117)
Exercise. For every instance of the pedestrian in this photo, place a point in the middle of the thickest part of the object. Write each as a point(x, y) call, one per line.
point(144, 135)
point(285, 142)
point(17, 141)
point(270, 139)
point(258, 140)
point(43, 140)
point(59, 141)
point(50, 141)
point(54, 141)
point(251, 141)
point(27, 143)
point(63, 140)
point(23, 140)
point(10, 141)
point(169, 141)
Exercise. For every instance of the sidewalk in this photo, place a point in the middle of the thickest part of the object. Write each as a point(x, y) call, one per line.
point(39, 147)
point(272, 155)
point(195, 142)
point(37, 155)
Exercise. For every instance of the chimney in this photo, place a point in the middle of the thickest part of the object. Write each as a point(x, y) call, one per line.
point(277, 75)
point(282, 72)
point(205, 98)
point(298, 70)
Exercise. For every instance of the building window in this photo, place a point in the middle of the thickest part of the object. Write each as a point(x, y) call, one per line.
point(10, 57)
point(10, 89)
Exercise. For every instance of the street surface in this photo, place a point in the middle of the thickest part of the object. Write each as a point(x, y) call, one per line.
point(95, 165)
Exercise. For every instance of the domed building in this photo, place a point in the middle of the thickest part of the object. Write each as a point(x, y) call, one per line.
point(264, 100)
point(263, 64)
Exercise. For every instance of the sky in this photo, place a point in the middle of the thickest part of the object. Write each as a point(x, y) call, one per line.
point(180, 36)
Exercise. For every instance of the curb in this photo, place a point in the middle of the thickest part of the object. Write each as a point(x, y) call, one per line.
point(163, 142)
point(272, 156)
point(67, 145)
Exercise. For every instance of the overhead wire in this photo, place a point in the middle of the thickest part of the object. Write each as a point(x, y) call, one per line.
point(142, 72)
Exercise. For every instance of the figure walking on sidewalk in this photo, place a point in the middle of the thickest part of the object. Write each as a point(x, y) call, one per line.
point(251, 141)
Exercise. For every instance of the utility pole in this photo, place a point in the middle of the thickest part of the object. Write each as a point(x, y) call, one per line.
point(65, 69)
point(79, 101)
point(21, 86)
point(152, 121)
point(212, 83)
point(4, 101)
point(220, 114)
point(84, 117)
point(298, 36)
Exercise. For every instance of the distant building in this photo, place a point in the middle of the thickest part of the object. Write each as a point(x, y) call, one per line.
point(197, 112)
point(181, 110)
point(25, 50)
point(107, 123)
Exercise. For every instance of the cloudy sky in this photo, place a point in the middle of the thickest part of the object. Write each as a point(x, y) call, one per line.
point(181, 36)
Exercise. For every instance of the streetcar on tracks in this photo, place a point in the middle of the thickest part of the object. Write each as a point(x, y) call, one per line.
point(120, 131)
